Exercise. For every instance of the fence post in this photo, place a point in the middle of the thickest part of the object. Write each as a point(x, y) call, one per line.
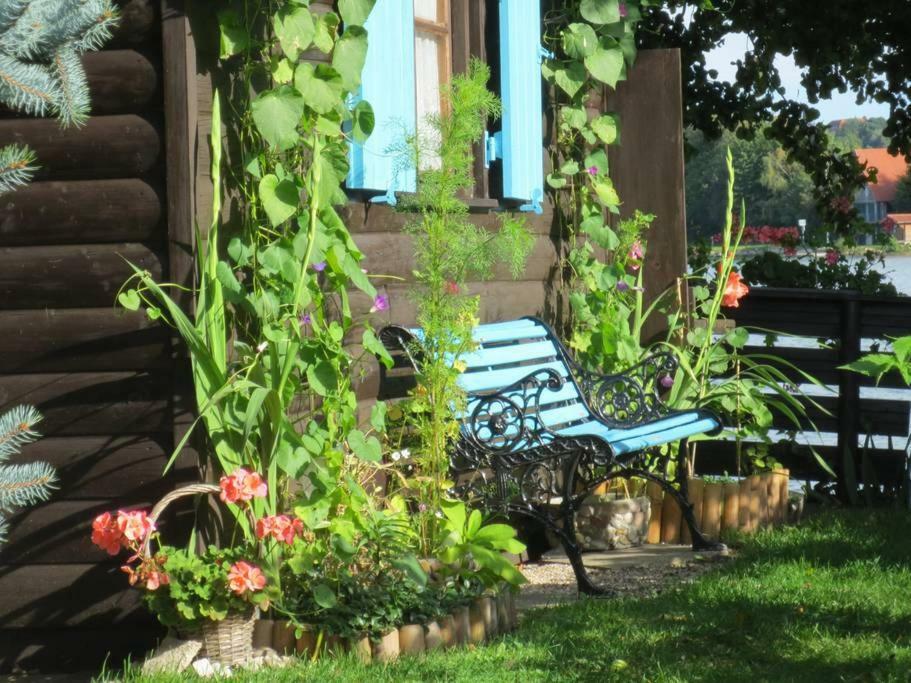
point(848, 399)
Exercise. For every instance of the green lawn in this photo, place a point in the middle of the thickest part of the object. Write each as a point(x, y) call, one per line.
point(828, 601)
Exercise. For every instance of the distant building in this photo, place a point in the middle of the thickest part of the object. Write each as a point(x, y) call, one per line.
point(874, 201)
point(901, 226)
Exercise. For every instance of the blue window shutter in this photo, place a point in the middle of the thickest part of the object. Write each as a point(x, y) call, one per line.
point(387, 83)
point(521, 143)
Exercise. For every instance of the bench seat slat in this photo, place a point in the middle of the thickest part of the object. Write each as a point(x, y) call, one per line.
point(485, 336)
point(665, 430)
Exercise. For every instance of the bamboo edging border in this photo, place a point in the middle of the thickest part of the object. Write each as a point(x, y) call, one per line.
point(752, 503)
point(486, 618)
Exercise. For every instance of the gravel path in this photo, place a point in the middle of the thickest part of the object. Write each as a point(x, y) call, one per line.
point(551, 583)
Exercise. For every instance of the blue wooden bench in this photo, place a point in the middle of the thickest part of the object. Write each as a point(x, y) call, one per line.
point(541, 433)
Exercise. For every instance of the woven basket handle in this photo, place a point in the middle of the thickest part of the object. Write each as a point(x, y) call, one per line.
point(176, 494)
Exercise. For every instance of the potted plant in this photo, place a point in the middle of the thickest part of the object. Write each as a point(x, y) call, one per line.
point(214, 593)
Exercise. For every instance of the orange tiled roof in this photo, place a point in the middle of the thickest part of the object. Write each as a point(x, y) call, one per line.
point(890, 170)
point(900, 218)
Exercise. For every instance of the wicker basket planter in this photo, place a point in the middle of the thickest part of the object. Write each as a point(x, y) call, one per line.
point(230, 640)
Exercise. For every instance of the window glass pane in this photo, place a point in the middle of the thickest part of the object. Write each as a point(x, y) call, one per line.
point(427, 55)
point(427, 9)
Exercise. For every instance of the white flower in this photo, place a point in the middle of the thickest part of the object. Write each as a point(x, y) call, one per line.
point(262, 347)
point(396, 455)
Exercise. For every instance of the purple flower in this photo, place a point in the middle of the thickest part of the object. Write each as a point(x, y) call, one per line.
point(305, 319)
point(624, 11)
point(319, 267)
point(380, 303)
point(622, 286)
point(592, 170)
point(666, 381)
point(422, 507)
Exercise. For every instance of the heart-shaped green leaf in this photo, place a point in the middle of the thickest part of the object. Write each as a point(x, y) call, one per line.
point(600, 11)
point(605, 127)
point(366, 448)
point(321, 86)
point(129, 299)
point(349, 56)
point(606, 63)
point(277, 114)
point(579, 40)
point(294, 29)
point(362, 121)
point(355, 12)
point(279, 198)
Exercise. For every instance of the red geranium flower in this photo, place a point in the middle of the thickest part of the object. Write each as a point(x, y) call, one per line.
point(106, 534)
point(242, 485)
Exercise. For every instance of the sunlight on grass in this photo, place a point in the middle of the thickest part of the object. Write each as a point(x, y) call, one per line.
point(823, 602)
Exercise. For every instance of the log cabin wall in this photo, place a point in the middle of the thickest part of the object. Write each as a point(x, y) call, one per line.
point(111, 384)
point(104, 379)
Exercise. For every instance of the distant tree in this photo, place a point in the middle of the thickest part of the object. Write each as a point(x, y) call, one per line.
point(851, 134)
point(776, 191)
point(851, 45)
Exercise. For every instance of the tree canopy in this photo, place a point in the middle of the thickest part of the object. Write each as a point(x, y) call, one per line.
point(844, 45)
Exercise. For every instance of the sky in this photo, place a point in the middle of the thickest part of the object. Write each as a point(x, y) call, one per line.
point(841, 106)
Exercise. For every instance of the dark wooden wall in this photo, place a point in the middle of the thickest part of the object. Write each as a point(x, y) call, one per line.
point(103, 378)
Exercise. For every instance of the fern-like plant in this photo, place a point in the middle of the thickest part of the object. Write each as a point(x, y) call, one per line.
point(41, 74)
point(21, 485)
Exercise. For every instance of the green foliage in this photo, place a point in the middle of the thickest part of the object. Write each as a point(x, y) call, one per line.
point(41, 73)
point(21, 485)
point(877, 365)
point(778, 191)
point(197, 588)
point(450, 250)
point(771, 269)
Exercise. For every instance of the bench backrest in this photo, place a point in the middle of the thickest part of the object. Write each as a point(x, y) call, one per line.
point(508, 352)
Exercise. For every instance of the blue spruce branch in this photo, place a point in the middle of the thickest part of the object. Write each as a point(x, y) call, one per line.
point(17, 167)
point(26, 484)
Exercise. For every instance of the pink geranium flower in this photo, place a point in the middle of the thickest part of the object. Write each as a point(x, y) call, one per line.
point(106, 534)
point(244, 577)
point(280, 527)
point(831, 257)
point(134, 525)
point(241, 486)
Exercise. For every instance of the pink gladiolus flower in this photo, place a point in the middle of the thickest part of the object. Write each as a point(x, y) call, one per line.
point(831, 257)
point(106, 534)
point(734, 290)
point(380, 303)
point(243, 577)
point(241, 486)
point(134, 525)
point(624, 10)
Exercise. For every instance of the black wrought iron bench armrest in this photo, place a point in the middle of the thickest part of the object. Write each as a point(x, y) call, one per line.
point(633, 396)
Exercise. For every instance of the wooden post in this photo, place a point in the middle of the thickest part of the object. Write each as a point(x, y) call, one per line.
point(731, 511)
point(783, 494)
point(763, 493)
point(774, 491)
point(711, 510)
point(743, 514)
point(753, 483)
point(671, 514)
point(848, 399)
point(694, 488)
point(656, 497)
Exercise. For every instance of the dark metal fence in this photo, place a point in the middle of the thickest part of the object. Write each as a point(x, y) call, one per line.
point(864, 431)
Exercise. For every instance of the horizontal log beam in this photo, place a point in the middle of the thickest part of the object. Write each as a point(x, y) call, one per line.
point(122, 146)
point(83, 340)
point(84, 404)
point(71, 276)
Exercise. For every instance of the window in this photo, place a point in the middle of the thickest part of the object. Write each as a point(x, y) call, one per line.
point(413, 46)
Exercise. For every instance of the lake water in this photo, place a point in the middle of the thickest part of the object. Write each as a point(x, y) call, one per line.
point(898, 268)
